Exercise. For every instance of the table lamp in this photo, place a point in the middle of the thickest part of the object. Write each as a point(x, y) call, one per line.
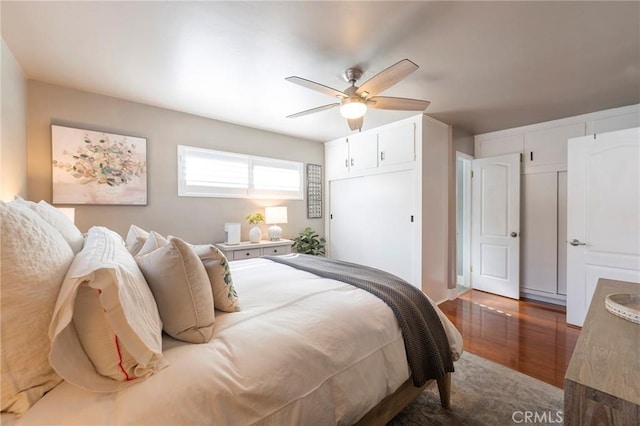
point(274, 216)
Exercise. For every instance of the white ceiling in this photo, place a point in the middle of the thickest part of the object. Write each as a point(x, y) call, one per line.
point(483, 65)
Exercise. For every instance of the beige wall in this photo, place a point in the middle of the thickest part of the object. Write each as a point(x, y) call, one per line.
point(198, 220)
point(13, 145)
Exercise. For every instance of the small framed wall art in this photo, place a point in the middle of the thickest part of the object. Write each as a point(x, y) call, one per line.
point(314, 191)
point(90, 167)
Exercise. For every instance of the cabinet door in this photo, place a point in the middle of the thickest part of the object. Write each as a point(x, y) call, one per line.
point(618, 122)
point(363, 151)
point(562, 233)
point(539, 232)
point(499, 146)
point(336, 158)
point(548, 148)
point(371, 222)
point(397, 145)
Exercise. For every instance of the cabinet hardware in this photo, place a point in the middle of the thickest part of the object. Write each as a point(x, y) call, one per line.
point(575, 242)
point(352, 162)
point(514, 234)
point(521, 157)
point(381, 155)
point(331, 216)
point(411, 218)
point(531, 156)
point(346, 162)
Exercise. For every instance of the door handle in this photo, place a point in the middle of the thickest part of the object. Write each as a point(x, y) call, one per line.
point(514, 234)
point(576, 242)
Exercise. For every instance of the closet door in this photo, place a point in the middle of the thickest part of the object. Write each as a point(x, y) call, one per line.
point(539, 232)
point(371, 222)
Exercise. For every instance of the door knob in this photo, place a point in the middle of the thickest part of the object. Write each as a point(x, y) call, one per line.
point(514, 234)
point(576, 242)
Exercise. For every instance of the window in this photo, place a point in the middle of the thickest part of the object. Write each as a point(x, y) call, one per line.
point(208, 173)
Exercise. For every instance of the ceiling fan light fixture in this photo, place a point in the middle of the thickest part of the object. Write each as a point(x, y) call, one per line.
point(353, 108)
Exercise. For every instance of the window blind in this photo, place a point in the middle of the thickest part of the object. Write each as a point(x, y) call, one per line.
point(208, 173)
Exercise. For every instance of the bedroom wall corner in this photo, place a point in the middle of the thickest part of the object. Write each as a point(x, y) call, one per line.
point(197, 220)
point(13, 138)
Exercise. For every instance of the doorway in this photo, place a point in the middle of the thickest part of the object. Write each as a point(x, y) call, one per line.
point(463, 222)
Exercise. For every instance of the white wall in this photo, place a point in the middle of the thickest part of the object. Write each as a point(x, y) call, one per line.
point(198, 220)
point(13, 125)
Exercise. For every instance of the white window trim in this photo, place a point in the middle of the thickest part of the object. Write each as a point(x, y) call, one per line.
point(250, 192)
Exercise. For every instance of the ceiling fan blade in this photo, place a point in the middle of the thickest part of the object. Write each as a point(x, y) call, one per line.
point(404, 104)
point(312, 110)
point(386, 78)
point(316, 86)
point(355, 123)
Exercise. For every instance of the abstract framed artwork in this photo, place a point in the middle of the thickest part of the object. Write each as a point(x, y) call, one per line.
point(90, 167)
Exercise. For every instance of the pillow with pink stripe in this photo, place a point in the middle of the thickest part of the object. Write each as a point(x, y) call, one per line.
point(106, 332)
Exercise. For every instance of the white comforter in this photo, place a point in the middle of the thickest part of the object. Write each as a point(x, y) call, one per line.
point(302, 349)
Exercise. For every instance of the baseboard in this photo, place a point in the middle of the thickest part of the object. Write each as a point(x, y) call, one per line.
point(540, 298)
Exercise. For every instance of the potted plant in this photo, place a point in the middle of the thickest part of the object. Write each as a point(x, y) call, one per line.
point(255, 233)
point(308, 242)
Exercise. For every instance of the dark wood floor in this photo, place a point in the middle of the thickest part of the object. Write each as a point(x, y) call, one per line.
point(530, 337)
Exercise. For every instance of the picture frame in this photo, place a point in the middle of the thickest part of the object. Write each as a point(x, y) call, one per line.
point(92, 167)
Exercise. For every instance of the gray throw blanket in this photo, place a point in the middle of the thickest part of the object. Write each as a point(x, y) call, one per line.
point(428, 352)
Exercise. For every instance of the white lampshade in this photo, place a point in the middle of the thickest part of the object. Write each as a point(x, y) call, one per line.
point(275, 215)
point(69, 212)
point(353, 108)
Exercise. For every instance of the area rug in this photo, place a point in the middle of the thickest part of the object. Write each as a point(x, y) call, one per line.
point(485, 393)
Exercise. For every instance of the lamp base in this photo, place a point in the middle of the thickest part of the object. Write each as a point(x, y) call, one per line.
point(275, 232)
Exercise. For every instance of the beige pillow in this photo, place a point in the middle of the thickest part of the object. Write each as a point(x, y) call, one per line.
point(106, 332)
point(136, 237)
point(34, 259)
point(215, 262)
point(181, 287)
point(154, 242)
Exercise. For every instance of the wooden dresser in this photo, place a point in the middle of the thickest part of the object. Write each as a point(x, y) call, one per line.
point(602, 383)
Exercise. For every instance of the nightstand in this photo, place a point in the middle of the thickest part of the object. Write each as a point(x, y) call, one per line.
point(248, 250)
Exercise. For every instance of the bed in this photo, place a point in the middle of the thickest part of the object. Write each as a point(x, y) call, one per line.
point(302, 349)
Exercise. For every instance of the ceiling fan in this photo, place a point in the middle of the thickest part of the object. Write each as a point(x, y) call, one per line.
point(355, 100)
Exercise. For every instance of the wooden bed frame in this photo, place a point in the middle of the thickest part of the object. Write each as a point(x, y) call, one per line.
point(389, 407)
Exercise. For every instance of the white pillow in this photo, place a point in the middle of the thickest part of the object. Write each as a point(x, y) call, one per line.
point(215, 263)
point(106, 332)
point(136, 237)
point(34, 259)
point(61, 223)
point(182, 290)
point(154, 242)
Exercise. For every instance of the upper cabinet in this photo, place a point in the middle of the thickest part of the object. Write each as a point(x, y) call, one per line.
point(397, 144)
point(548, 148)
point(363, 151)
point(543, 146)
point(499, 145)
point(337, 158)
point(387, 147)
point(540, 150)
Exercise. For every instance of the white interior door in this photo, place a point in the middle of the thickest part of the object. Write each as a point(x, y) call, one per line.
point(603, 215)
point(371, 222)
point(495, 227)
